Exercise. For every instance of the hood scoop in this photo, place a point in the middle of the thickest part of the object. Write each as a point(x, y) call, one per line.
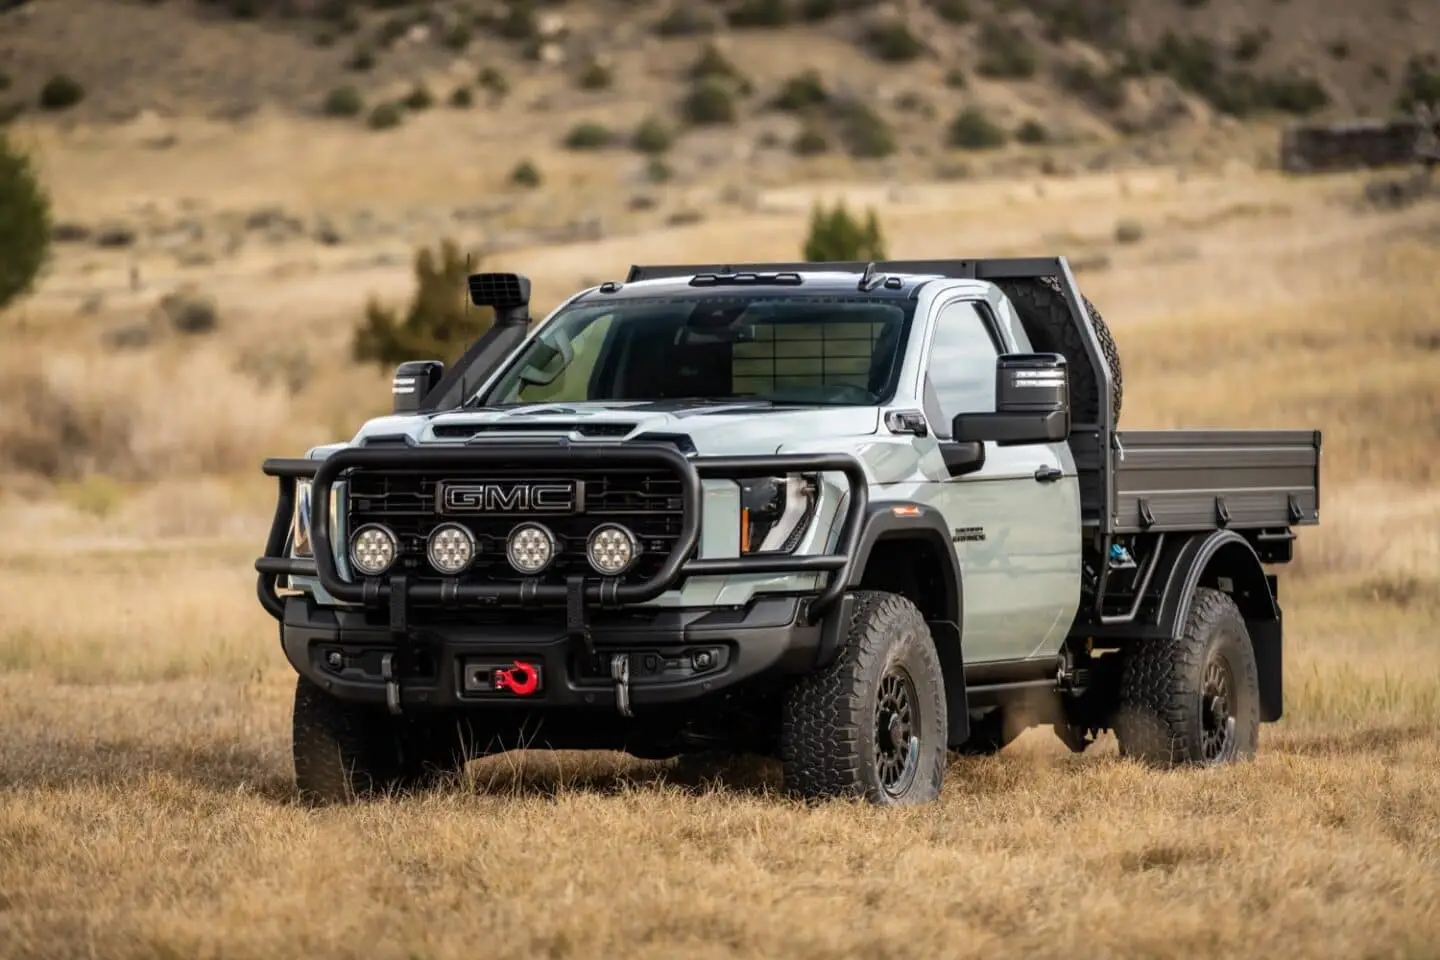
point(596, 431)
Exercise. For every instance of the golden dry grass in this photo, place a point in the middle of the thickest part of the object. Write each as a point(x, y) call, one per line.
point(145, 796)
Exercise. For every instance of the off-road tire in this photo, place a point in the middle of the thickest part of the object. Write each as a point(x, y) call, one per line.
point(1164, 711)
point(1040, 304)
point(831, 744)
point(344, 752)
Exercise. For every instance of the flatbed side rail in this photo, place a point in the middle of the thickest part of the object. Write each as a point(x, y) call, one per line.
point(1179, 480)
point(678, 567)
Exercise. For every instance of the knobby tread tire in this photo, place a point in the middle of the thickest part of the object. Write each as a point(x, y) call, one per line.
point(344, 752)
point(1040, 305)
point(1159, 717)
point(827, 736)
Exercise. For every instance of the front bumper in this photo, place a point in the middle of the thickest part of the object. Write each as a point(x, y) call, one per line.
point(672, 656)
point(391, 612)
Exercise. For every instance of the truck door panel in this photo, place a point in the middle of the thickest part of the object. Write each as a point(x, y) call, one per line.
point(1016, 538)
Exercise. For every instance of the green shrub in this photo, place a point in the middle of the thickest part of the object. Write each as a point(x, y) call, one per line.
point(419, 98)
point(1420, 82)
point(760, 13)
point(973, 130)
point(685, 20)
point(588, 135)
point(439, 323)
point(865, 133)
point(25, 223)
point(61, 92)
point(1129, 231)
point(385, 116)
point(526, 174)
point(361, 61)
point(952, 11)
point(713, 64)
point(1032, 132)
point(810, 141)
point(710, 101)
point(1250, 44)
point(343, 102)
point(493, 81)
point(1103, 90)
point(801, 92)
point(1005, 53)
point(457, 38)
point(836, 235)
point(652, 136)
point(892, 41)
point(595, 76)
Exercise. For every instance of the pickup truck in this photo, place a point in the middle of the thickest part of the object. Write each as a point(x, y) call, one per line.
point(853, 516)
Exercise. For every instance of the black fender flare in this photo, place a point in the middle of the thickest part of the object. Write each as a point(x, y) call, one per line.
point(1206, 558)
point(904, 520)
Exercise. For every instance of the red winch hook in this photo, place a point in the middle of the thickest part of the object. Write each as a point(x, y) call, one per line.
point(522, 679)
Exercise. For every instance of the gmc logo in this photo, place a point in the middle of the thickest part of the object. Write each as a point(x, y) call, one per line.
point(561, 496)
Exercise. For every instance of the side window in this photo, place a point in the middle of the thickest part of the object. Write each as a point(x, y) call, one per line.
point(961, 370)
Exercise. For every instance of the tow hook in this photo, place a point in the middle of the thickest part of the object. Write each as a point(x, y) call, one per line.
point(620, 673)
point(521, 679)
point(392, 685)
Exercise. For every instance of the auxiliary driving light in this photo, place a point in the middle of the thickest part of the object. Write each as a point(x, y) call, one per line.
point(451, 549)
point(373, 549)
point(530, 548)
point(612, 549)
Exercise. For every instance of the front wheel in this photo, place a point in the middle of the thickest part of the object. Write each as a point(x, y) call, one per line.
point(872, 724)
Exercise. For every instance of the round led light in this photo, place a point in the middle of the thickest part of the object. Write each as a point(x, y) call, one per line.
point(373, 549)
point(612, 549)
point(451, 548)
point(530, 548)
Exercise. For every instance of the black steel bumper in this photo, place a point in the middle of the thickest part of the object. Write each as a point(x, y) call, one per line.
point(760, 639)
point(674, 657)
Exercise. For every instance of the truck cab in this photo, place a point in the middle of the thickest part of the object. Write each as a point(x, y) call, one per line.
point(854, 516)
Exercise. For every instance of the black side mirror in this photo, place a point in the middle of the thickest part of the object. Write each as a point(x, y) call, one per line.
point(1032, 403)
point(413, 381)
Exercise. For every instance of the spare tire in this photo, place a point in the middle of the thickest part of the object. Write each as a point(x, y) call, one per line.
point(1040, 305)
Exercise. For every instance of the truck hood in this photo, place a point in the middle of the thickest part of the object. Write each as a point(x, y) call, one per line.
point(713, 428)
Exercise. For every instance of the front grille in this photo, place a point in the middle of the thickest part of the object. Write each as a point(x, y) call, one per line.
point(648, 501)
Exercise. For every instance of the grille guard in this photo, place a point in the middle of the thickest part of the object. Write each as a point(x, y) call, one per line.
point(380, 592)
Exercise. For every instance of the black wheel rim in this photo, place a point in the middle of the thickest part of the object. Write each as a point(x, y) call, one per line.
point(897, 732)
point(1217, 711)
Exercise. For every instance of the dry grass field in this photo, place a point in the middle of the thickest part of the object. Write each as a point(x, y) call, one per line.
point(146, 805)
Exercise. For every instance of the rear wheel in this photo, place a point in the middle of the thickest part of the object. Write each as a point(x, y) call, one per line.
point(873, 723)
point(1194, 700)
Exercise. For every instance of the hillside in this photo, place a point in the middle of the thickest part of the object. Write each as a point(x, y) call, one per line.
point(1083, 68)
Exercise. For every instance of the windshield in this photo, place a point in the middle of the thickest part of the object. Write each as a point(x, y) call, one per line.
point(771, 348)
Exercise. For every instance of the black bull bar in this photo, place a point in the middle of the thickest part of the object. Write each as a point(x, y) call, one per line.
point(395, 591)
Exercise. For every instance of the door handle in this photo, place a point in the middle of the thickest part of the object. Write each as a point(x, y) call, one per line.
point(1048, 474)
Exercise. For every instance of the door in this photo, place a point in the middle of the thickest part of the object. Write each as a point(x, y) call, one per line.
point(1016, 536)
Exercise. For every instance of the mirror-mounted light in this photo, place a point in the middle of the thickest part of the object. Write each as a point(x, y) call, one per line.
point(414, 379)
point(1032, 403)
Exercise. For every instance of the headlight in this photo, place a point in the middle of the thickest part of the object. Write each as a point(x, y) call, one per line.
point(300, 526)
point(774, 512)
